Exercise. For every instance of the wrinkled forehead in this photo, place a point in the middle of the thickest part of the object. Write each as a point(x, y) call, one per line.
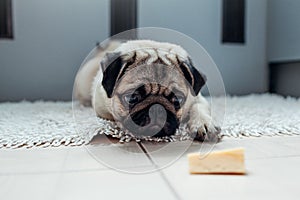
point(164, 75)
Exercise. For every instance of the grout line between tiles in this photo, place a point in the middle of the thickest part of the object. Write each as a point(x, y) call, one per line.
point(51, 172)
point(274, 157)
point(162, 175)
point(59, 177)
point(65, 171)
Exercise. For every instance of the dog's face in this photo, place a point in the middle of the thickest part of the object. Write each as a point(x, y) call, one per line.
point(150, 98)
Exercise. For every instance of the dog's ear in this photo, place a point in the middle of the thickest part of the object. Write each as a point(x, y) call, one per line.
point(196, 79)
point(111, 67)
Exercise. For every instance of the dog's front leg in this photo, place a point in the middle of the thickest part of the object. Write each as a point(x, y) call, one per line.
point(201, 124)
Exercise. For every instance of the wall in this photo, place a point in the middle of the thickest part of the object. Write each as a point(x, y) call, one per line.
point(284, 44)
point(52, 37)
point(283, 30)
point(243, 67)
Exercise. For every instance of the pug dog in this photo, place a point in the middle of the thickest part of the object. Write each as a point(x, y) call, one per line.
point(149, 88)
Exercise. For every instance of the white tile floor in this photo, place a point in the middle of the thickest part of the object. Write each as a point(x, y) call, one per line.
point(273, 166)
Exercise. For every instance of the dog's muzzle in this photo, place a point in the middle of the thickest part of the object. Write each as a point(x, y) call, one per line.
point(154, 121)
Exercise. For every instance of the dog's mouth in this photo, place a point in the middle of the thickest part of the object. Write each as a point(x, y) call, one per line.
point(152, 130)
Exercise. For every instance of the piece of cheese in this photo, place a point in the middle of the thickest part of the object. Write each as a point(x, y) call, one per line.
point(218, 162)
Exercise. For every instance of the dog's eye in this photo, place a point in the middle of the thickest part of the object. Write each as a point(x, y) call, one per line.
point(178, 101)
point(132, 98)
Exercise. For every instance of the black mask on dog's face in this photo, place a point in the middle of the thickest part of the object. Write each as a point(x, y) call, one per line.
point(155, 114)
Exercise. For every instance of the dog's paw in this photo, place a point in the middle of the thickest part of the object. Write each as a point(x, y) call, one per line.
point(205, 132)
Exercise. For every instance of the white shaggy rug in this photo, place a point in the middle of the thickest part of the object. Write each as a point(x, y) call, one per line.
point(44, 124)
